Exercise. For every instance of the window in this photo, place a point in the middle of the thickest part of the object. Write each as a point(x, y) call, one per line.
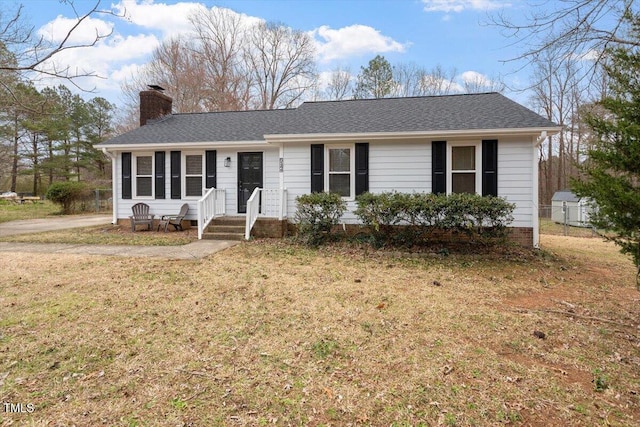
point(463, 170)
point(193, 177)
point(340, 171)
point(144, 176)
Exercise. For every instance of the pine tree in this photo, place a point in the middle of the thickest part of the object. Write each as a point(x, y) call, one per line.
point(376, 80)
point(611, 173)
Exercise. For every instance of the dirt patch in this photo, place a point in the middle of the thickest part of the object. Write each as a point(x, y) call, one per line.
point(564, 373)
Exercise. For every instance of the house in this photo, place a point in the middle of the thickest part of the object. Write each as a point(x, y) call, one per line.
point(255, 163)
point(569, 209)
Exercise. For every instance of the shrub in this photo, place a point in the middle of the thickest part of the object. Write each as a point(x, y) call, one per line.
point(66, 194)
point(481, 218)
point(317, 214)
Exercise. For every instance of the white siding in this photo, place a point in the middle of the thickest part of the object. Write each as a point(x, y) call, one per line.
point(227, 179)
point(400, 166)
point(515, 178)
point(297, 173)
point(406, 167)
point(393, 166)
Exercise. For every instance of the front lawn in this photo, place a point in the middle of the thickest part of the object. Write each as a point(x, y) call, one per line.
point(269, 333)
point(10, 211)
point(108, 235)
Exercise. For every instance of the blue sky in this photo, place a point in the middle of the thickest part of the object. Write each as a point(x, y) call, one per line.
point(451, 33)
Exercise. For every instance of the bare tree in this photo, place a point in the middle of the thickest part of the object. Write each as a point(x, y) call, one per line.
point(439, 82)
point(282, 61)
point(221, 40)
point(414, 80)
point(571, 28)
point(478, 83)
point(559, 94)
point(36, 54)
point(228, 63)
point(409, 79)
point(340, 85)
point(174, 66)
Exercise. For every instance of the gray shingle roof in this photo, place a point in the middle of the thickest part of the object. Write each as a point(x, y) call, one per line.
point(565, 196)
point(417, 114)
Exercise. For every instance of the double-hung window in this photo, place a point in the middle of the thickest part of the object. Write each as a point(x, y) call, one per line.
point(340, 165)
point(193, 175)
point(143, 176)
point(464, 172)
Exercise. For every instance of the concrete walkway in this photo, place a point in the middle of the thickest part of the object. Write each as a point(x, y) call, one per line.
point(194, 250)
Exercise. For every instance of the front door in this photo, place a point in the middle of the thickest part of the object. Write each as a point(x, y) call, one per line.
point(249, 177)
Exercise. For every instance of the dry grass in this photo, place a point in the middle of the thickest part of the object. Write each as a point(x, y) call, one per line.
point(547, 226)
point(268, 333)
point(108, 235)
point(10, 211)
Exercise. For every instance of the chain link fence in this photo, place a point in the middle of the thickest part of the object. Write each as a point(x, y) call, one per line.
point(566, 220)
point(102, 201)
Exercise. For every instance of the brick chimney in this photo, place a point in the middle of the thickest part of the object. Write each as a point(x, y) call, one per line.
point(154, 104)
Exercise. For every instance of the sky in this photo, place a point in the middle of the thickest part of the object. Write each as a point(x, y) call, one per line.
point(453, 34)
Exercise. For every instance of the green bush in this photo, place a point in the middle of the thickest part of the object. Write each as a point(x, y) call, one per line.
point(67, 194)
point(317, 214)
point(422, 214)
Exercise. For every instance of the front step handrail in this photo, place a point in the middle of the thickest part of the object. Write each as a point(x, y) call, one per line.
point(210, 206)
point(253, 210)
point(267, 203)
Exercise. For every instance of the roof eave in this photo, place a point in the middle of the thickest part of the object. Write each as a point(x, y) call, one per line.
point(182, 145)
point(372, 136)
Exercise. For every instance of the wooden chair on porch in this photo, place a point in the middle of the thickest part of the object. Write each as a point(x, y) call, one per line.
point(141, 216)
point(175, 220)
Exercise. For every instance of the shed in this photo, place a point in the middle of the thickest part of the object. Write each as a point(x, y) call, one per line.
point(567, 208)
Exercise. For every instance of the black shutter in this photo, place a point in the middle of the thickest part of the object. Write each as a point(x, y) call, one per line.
point(490, 167)
point(175, 175)
point(126, 175)
point(317, 168)
point(439, 167)
point(159, 174)
point(210, 169)
point(362, 167)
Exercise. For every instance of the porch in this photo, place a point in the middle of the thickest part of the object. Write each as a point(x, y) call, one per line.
point(267, 205)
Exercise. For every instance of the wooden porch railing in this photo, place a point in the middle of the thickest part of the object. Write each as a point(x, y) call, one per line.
point(210, 206)
point(270, 203)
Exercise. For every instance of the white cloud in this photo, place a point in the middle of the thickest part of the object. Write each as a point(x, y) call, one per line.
point(55, 31)
point(589, 55)
point(168, 19)
point(460, 5)
point(475, 82)
point(324, 77)
point(101, 58)
point(352, 41)
point(474, 77)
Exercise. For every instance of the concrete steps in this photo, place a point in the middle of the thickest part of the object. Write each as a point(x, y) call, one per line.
point(225, 228)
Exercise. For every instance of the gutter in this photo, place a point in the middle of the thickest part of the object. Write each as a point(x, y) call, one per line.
point(183, 145)
point(372, 136)
point(114, 194)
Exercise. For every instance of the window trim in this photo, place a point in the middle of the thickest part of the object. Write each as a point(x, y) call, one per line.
point(478, 159)
point(134, 175)
point(183, 178)
point(352, 168)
